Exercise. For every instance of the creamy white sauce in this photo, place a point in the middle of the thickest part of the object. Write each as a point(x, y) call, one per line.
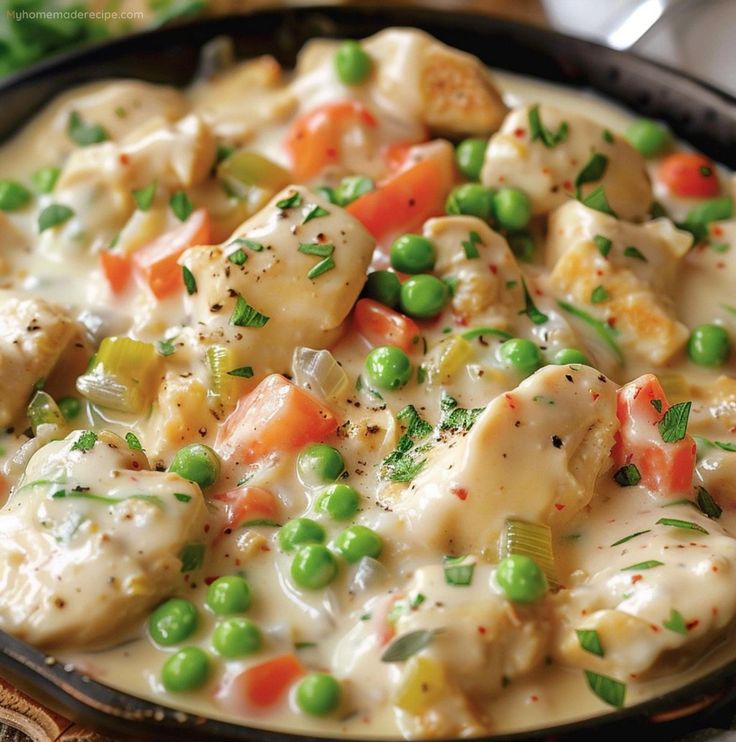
point(586, 515)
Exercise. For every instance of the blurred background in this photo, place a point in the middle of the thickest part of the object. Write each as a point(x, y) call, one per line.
point(694, 36)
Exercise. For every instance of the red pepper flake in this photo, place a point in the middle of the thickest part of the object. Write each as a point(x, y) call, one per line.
point(716, 231)
point(559, 506)
point(567, 185)
point(714, 568)
point(690, 625)
point(461, 319)
point(714, 611)
point(124, 159)
point(720, 264)
point(655, 628)
point(501, 178)
point(331, 152)
point(599, 272)
point(494, 269)
point(237, 562)
point(635, 579)
point(481, 630)
point(206, 527)
point(594, 395)
point(460, 492)
point(510, 401)
point(534, 698)
point(538, 292)
point(611, 321)
point(519, 132)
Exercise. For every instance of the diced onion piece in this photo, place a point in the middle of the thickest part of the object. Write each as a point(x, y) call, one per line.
point(369, 574)
point(220, 361)
point(317, 371)
point(533, 540)
point(122, 376)
point(42, 410)
point(423, 684)
point(252, 177)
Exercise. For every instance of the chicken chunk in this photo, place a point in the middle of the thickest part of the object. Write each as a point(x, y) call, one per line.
point(438, 693)
point(483, 266)
point(238, 102)
point(292, 282)
point(547, 172)
point(417, 82)
point(632, 280)
point(78, 563)
point(33, 335)
point(680, 598)
point(563, 418)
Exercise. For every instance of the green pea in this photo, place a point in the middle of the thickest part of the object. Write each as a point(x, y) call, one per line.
point(357, 542)
point(710, 210)
point(512, 208)
point(236, 637)
point(318, 694)
point(649, 137)
point(13, 195)
point(709, 345)
point(469, 155)
point(197, 463)
point(352, 63)
point(388, 367)
point(173, 622)
point(351, 188)
point(313, 567)
point(70, 407)
point(471, 199)
point(228, 594)
point(412, 253)
point(186, 670)
point(522, 245)
point(423, 296)
point(339, 501)
point(566, 356)
point(383, 286)
point(521, 579)
point(520, 354)
point(320, 462)
point(300, 531)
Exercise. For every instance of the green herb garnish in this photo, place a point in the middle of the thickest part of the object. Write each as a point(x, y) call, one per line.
point(86, 441)
point(144, 196)
point(673, 426)
point(181, 205)
point(82, 133)
point(244, 315)
point(190, 282)
point(538, 130)
point(590, 641)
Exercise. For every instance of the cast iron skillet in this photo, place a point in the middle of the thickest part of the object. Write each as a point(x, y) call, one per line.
point(698, 113)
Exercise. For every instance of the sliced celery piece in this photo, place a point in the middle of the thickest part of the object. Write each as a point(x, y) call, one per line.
point(122, 376)
point(220, 361)
point(252, 177)
point(533, 540)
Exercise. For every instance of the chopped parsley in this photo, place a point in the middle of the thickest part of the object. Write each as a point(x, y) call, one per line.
point(182, 497)
point(635, 252)
point(593, 170)
point(707, 505)
point(165, 347)
point(133, 443)
point(627, 476)
point(406, 460)
point(45, 179)
point(244, 372)
point(407, 645)
point(649, 564)
point(673, 426)
point(457, 418)
point(597, 200)
point(470, 246)
point(590, 641)
point(630, 536)
point(538, 130)
point(238, 257)
point(86, 441)
point(291, 201)
point(603, 244)
point(675, 622)
point(607, 136)
point(244, 315)
point(315, 213)
point(190, 282)
point(251, 244)
point(610, 691)
point(685, 525)
point(324, 251)
point(54, 215)
point(181, 205)
point(599, 295)
point(192, 557)
point(143, 197)
point(530, 309)
point(82, 133)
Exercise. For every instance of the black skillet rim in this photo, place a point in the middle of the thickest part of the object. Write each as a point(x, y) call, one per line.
point(696, 111)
